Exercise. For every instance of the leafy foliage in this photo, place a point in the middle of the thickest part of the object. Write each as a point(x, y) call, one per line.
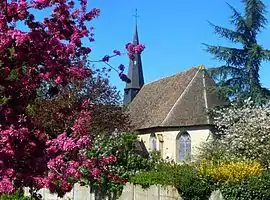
point(243, 131)
point(130, 161)
point(107, 119)
point(224, 172)
point(214, 151)
point(253, 188)
point(56, 114)
point(239, 76)
point(183, 177)
point(198, 181)
point(18, 195)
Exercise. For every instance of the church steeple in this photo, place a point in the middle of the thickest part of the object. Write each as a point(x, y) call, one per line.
point(135, 73)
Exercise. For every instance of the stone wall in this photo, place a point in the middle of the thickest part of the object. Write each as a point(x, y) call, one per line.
point(130, 192)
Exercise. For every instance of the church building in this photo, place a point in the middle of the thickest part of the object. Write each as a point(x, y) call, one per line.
point(170, 114)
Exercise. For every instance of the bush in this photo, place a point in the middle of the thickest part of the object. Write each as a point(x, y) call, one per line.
point(164, 175)
point(229, 171)
point(130, 160)
point(183, 177)
point(255, 188)
point(215, 151)
point(236, 179)
point(18, 195)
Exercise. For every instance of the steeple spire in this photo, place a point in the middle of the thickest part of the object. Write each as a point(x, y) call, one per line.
point(136, 16)
point(135, 72)
point(136, 37)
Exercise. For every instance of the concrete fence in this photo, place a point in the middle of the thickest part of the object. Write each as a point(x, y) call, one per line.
point(130, 192)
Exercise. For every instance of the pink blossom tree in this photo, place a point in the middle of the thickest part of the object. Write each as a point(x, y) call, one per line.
point(48, 54)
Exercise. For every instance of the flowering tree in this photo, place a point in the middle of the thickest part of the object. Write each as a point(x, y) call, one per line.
point(45, 54)
point(245, 131)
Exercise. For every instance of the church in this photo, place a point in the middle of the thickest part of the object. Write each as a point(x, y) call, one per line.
point(170, 114)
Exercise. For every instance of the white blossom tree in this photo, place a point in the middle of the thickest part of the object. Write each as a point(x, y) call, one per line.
point(245, 131)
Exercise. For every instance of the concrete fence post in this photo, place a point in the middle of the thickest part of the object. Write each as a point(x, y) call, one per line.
point(158, 191)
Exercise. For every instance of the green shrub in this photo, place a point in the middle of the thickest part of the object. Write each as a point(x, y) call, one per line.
point(213, 150)
point(183, 177)
point(163, 175)
point(18, 195)
point(255, 188)
point(191, 185)
point(130, 160)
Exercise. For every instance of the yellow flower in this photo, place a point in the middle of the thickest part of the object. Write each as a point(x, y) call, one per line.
point(229, 171)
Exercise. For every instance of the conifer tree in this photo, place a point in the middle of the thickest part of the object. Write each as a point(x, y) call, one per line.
point(238, 78)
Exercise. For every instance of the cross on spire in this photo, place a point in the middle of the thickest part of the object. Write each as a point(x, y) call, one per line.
point(136, 15)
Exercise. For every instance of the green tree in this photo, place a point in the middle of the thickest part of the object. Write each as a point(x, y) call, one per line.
point(131, 158)
point(239, 76)
point(56, 114)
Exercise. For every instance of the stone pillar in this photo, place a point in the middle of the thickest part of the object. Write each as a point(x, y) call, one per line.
point(81, 192)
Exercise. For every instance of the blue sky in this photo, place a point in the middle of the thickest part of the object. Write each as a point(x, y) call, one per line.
point(173, 32)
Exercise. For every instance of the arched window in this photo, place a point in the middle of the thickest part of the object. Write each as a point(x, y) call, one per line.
point(184, 146)
point(153, 142)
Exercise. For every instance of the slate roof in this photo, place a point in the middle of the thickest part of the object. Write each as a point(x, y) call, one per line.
point(178, 100)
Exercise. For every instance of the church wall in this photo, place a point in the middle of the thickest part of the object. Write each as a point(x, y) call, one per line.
point(167, 142)
point(145, 138)
point(197, 138)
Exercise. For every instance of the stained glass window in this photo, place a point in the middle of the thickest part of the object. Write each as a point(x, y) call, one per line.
point(184, 146)
point(153, 142)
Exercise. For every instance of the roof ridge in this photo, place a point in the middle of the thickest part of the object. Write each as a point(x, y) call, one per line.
point(181, 96)
point(205, 96)
point(182, 72)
